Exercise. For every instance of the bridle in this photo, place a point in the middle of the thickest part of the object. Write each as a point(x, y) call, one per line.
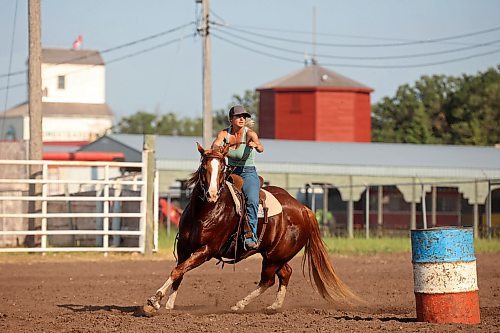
point(225, 169)
point(202, 174)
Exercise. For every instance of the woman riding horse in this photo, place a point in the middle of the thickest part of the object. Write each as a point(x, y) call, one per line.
point(210, 219)
point(241, 159)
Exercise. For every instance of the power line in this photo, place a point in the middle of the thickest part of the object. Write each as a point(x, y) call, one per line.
point(255, 51)
point(111, 49)
point(419, 42)
point(289, 31)
point(443, 62)
point(130, 55)
point(414, 55)
point(362, 66)
point(150, 48)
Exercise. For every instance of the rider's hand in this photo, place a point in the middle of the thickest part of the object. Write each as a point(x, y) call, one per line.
point(252, 144)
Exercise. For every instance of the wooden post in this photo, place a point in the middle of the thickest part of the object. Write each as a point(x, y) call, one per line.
point(324, 217)
point(380, 210)
point(476, 211)
point(350, 212)
point(434, 205)
point(35, 114)
point(367, 212)
point(413, 218)
point(149, 155)
point(207, 76)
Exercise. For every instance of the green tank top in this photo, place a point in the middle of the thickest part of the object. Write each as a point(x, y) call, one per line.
point(235, 156)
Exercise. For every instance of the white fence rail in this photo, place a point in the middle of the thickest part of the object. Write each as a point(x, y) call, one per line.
point(103, 215)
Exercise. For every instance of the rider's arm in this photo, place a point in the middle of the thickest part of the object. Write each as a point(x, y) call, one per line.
point(219, 140)
point(254, 142)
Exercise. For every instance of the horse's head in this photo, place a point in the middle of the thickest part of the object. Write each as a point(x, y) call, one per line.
point(211, 171)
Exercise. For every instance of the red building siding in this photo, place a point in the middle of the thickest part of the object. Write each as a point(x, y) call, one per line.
point(363, 122)
point(315, 104)
point(336, 119)
point(266, 114)
point(295, 115)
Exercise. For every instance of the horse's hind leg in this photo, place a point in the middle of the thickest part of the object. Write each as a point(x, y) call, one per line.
point(266, 281)
point(284, 276)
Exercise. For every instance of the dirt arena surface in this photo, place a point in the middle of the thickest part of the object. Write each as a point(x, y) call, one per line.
point(50, 295)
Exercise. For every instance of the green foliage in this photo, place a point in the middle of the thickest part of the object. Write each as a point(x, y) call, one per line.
point(250, 100)
point(139, 123)
point(144, 122)
point(443, 110)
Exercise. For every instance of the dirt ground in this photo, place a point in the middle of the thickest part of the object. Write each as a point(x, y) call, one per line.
point(50, 295)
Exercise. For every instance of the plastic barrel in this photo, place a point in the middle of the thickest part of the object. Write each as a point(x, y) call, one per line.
point(444, 274)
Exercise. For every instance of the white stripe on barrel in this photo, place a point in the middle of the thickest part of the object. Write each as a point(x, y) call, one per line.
point(446, 277)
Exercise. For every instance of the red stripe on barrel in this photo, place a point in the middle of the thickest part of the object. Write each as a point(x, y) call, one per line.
point(460, 308)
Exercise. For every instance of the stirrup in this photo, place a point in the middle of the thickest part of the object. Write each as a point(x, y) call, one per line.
point(250, 244)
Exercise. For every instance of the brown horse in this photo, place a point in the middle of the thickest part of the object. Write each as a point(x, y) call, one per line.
point(209, 221)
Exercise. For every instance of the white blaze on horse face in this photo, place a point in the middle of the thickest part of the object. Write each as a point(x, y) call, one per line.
point(212, 188)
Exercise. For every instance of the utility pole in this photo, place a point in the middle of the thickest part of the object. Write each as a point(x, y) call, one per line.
point(35, 108)
point(207, 76)
point(313, 58)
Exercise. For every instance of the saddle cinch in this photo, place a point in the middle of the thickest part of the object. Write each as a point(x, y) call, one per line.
point(268, 206)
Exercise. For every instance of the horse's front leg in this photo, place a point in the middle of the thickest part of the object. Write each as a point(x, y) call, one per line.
point(196, 259)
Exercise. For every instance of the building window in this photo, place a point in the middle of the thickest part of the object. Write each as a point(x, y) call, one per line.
point(61, 82)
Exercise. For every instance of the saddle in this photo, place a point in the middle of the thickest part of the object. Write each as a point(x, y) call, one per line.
point(268, 206)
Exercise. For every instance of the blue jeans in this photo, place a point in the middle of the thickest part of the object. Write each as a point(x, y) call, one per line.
point(251, 189)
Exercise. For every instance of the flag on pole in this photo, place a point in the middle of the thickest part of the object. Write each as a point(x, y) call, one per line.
point(78, 42)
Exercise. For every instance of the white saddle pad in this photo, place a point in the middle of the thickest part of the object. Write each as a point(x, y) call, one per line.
point(273, 205)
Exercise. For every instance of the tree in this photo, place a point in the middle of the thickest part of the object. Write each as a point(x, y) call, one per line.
point(250, 100)
point(139, 123)
point(439, 109)
point(169, 124)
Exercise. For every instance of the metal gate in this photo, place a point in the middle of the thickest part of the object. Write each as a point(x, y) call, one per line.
point(82, 206)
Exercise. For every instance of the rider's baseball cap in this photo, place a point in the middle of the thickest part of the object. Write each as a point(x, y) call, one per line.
point(238, 110)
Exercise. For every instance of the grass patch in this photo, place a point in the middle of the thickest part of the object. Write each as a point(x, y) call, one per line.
point(335, 245)
point(166, 241)
point(484, 245)
point(346, 246)
point(357, 245)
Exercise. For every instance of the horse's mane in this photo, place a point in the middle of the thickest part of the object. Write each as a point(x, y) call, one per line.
point(195, 176)
point(215, 214)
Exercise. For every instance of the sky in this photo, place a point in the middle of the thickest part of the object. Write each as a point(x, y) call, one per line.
point(253, 42)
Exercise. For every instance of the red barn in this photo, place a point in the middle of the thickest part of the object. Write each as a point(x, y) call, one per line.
point(315, 104)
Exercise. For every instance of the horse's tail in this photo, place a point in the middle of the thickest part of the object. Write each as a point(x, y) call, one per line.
point(321, 271)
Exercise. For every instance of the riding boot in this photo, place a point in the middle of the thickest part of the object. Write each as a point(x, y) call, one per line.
point(251, 243)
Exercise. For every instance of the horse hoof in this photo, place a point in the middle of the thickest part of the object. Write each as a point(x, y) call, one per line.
point(236, 308)
point(153, 302)
point(271, 309)
point(146, 311)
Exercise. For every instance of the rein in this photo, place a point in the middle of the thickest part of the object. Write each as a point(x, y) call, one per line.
point(228, 169)
point(200, 181)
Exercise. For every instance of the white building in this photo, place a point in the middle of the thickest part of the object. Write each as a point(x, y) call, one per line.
point(73, 102)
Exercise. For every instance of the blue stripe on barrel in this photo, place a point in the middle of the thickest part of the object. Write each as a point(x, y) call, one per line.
point(437, 245)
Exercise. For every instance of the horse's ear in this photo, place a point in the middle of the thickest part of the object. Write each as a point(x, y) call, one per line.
point(200, 148)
